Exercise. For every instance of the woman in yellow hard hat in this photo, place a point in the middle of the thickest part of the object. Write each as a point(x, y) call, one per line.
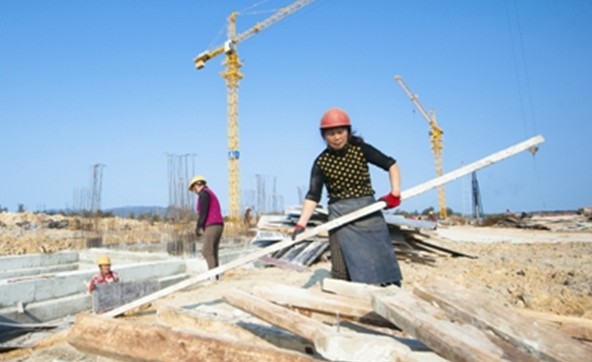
point(105, 274)
point(361, 251)
point(210, 222)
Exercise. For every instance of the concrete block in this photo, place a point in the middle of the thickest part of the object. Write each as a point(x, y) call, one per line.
point(49, 310)
point(109, 296)
point(11, 274)
point(88, 257)
point(14, 262)
point(150, 270)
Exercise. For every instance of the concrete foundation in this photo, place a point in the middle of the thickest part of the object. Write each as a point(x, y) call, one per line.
point(27, 265)
point(42, 288)
point(45, 287)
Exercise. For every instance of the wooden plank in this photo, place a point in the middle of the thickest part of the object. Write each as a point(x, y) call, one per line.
point(308, 233)
point(329, 342)
point(236, 329)
point(294, 251)
point(336, 305)
point(184, 318)
point(311, 252)
point(455, 341)
point(421, 239)
point(270, 260)
point(361, 298)
point(575, 327)
point(132, 341)
point(352, 289)
point(420, 248)
point(17, 325)
point(541, 341)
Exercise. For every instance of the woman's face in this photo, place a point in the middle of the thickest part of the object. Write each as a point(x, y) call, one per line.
point(105, 268)
point(336, 137)
point(197, 187)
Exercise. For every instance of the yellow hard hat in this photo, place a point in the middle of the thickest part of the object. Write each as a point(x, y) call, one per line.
point(195, 180)
point(103, 260)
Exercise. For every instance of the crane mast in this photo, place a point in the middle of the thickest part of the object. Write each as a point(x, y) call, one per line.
point(436, 134)
point(232, 75)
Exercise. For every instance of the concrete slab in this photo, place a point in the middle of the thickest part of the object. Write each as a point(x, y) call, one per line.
point(32, 264)
point(10, 274)
point(109, 296)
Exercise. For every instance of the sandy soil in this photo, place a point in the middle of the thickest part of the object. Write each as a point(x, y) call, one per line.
point(548, 271)
point(540, 270)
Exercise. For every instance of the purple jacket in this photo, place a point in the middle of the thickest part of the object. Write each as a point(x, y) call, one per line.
point(212, 213)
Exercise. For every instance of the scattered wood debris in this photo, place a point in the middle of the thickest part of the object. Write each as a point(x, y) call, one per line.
point(341, 321)
point(566, 221)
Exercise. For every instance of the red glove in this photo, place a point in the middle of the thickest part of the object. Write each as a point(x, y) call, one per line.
point(391, 200)
point(297, 230)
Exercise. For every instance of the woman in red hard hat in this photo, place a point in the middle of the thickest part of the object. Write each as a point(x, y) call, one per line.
point(362, 250)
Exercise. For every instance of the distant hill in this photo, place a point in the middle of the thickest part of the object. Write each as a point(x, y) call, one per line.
point(126, 211)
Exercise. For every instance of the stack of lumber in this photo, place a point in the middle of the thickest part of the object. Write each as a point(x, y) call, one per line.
point(341, 321)
point(412, 241)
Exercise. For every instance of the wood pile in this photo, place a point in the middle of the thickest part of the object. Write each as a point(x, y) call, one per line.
point(410, 240)
point(341, 321)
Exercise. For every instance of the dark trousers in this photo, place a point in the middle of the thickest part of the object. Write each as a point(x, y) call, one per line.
point(211, 242)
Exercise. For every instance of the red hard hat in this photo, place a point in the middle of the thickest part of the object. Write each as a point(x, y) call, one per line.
point(335, 117)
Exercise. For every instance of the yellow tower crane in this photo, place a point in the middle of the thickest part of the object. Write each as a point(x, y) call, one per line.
point(436, 140)
point(233, 75)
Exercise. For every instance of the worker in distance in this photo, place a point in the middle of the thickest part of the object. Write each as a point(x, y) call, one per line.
point(210, 222)
point(105, 274)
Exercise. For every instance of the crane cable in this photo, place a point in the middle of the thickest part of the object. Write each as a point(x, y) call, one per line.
point(247, 10)
point(219, 35)
point(533, 150)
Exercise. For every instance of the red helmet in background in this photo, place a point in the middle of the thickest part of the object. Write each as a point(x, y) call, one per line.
point(335, 117)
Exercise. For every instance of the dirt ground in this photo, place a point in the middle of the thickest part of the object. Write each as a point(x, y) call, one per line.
point(540, 270)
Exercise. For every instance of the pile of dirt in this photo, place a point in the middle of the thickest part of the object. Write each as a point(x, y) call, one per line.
point(29, 233)
point(541, 276)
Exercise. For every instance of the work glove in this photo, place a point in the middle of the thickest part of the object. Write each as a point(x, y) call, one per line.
point(391, 200)
point(297, 230)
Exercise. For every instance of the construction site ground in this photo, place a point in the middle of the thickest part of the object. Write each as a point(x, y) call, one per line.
point(540, 270)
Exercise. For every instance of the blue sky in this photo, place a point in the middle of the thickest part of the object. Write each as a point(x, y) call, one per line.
point(113, 82)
